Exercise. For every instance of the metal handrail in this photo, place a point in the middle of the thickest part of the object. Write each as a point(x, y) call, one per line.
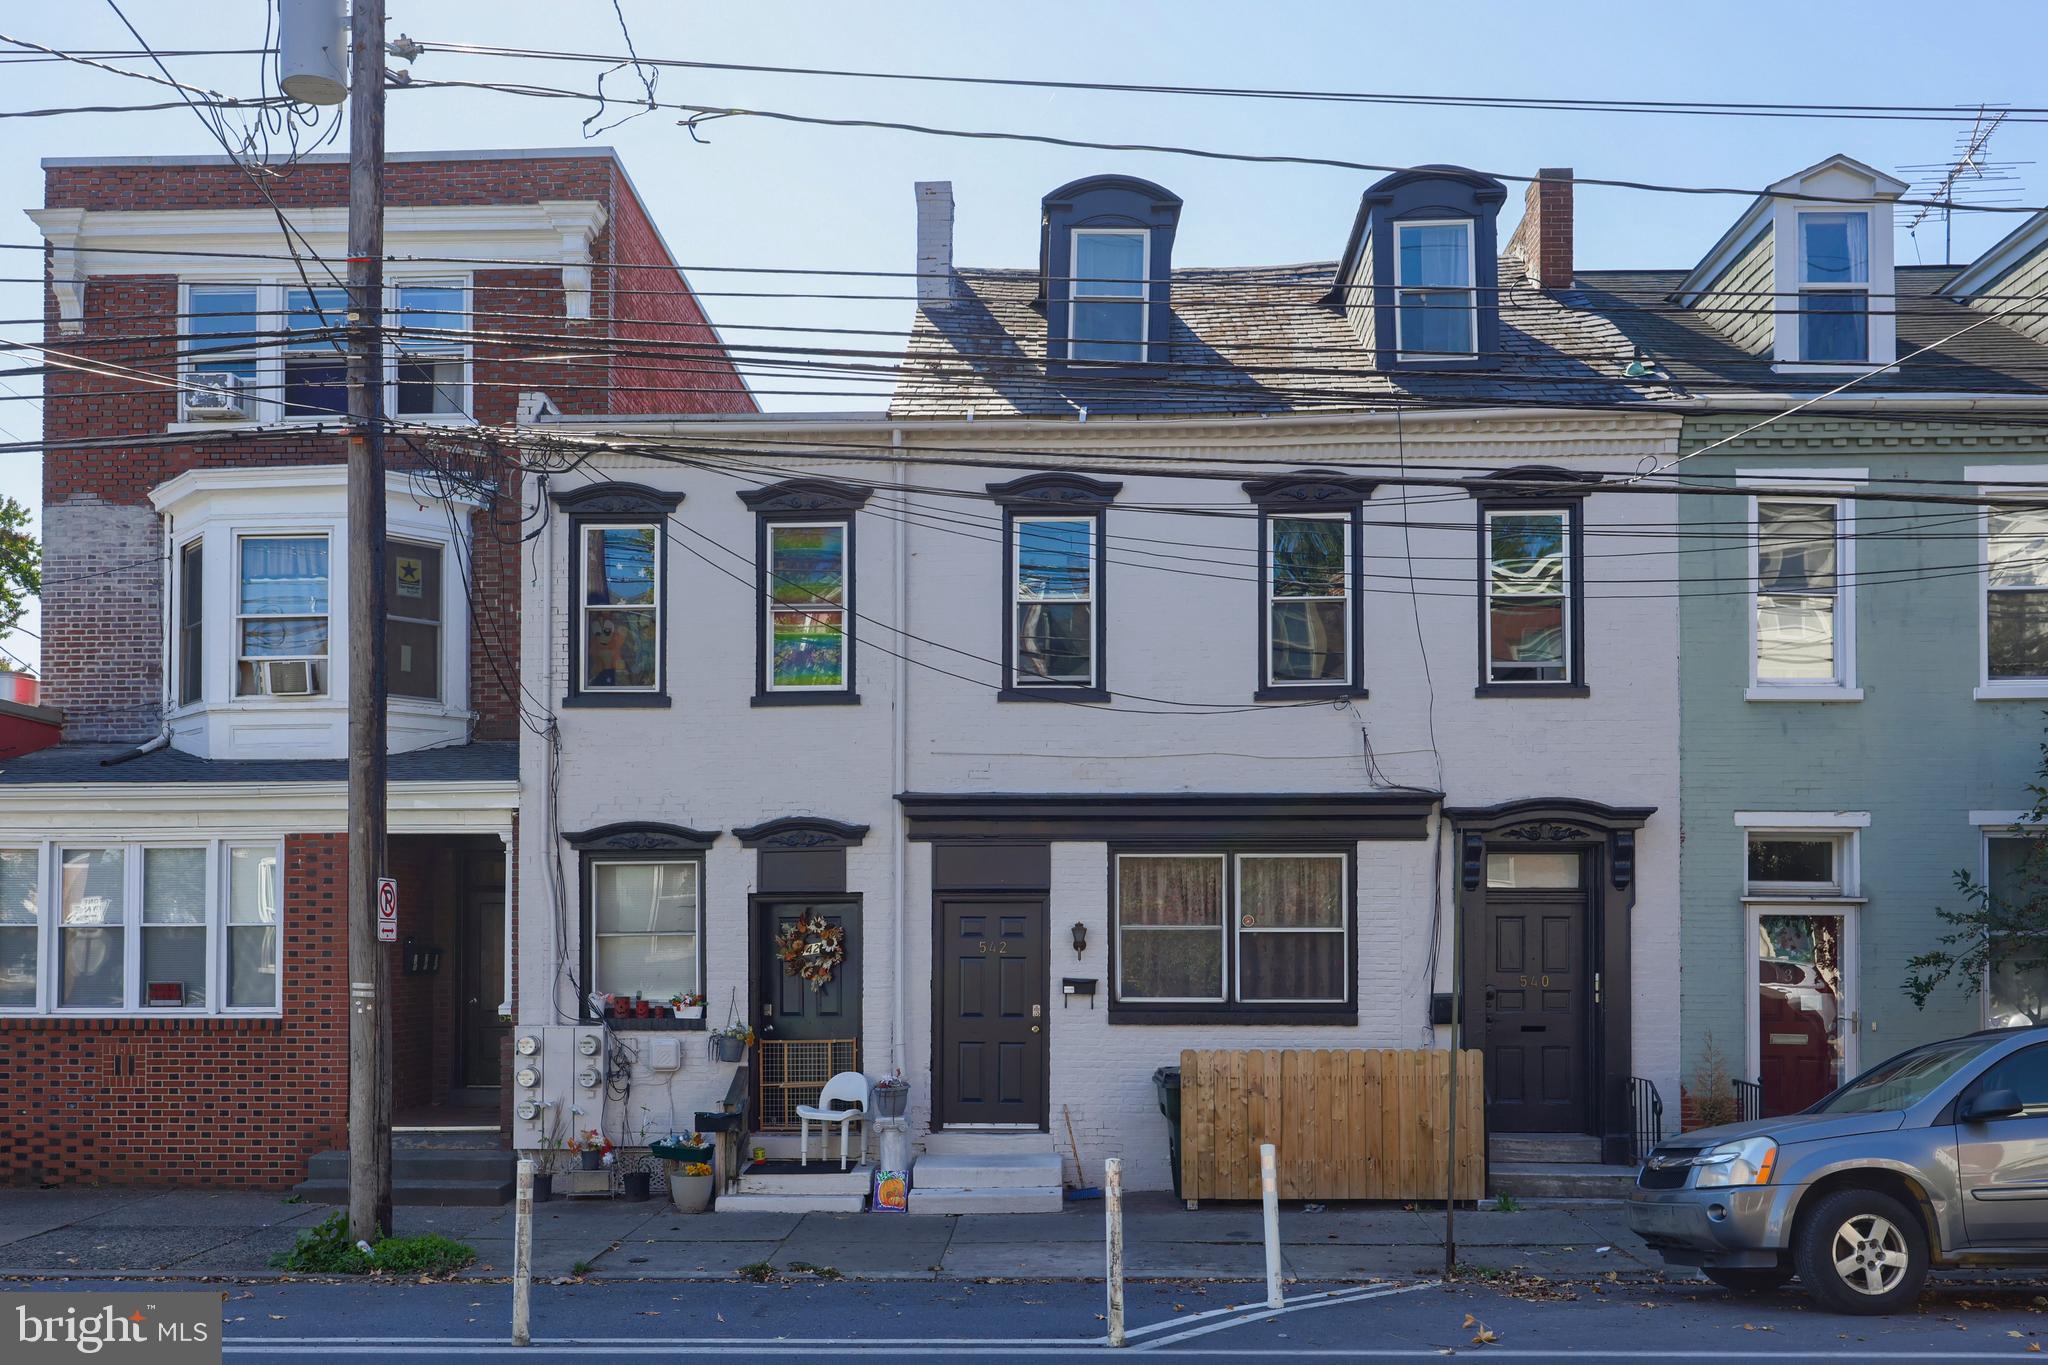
point(1749, 1100)
point(1646, 1113)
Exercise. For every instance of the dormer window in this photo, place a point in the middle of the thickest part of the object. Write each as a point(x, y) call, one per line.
point(1106, 271)
point(1834, 287)
point(1107, 308)
point(1434, 299)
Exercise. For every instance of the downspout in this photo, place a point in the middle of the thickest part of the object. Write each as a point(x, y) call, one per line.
point(900, 759)
point(169, 619)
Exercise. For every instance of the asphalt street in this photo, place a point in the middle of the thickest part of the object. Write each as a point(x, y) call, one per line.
point(830, 1321)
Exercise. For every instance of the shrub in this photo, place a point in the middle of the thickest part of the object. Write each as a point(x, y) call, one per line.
point(325, 1249)
point(1711, 1089)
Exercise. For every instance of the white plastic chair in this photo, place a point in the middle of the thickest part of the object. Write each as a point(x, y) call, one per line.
point(847, 1085)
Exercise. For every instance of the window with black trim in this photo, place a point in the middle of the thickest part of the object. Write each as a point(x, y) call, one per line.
point(1054, 554)
point(1309, 586)
point(1531, 587)
point(642, 922)
point(618, 590)
point(1233, 932)
point(804, 587)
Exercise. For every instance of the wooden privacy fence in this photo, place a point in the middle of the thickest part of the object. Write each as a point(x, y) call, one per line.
point(1348, 1124)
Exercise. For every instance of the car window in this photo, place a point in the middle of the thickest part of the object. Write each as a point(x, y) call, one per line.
point(1906, 1079)
point(2023, 1073)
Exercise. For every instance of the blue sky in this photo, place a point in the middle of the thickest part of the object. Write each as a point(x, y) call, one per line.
point(771, 194)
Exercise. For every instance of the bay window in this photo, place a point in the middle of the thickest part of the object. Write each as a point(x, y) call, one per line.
point(645, 927)
point(1435, 304)
point(807, 580)
point(1233, 934)
point(141, 928)
point(282, 616)
point(1107, 298)
point(2016, 594)
point(1834, 287)
point(191, 619)
point(1802, 608)
point(412, 627)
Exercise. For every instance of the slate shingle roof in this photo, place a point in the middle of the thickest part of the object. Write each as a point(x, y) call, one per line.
point(1260, 340)
point(491, 761)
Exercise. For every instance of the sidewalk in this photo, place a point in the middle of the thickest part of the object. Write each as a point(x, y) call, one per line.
point(233, 1235)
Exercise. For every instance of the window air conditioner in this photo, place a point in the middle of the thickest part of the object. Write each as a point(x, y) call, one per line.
point(287, 677)
point(215, 397)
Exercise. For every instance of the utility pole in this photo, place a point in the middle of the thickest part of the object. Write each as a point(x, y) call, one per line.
point(369, 988)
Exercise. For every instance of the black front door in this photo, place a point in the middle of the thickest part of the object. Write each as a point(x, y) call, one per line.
point(1537, 1002)
point(793, 1009)
point(482, 983)
point(989, 1044)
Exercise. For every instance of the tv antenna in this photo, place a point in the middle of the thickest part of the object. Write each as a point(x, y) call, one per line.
point(1969, 177)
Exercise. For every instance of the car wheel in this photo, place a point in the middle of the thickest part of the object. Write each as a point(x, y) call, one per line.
point(1749, 1279)
point(1860, 1251)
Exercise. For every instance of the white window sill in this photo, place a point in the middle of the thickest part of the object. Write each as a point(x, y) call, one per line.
point(1826, 367)
point(1805, 900)
point(2027, 691)
point(1803, 694)
point(183, 1015)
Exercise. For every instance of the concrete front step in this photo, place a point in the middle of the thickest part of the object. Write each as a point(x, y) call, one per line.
point(1559, 1180)
point(987, 1141)
point(817, 1179)
point(1543, 1147)
point(450, 1192)
point(1004, 1171)
point(1007, 1199)
point(790, 1203)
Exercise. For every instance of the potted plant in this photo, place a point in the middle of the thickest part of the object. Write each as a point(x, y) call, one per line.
point(595, 1150)
point(892, 1096)
point(730, 1043)
point(689, 1186)
point(687, 1006)
point(638, 1183)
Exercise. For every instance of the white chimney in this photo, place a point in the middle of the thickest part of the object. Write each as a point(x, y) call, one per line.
point(934, 243)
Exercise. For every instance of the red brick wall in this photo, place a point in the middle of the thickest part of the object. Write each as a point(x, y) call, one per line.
point(684, 370)
point(223, 1102)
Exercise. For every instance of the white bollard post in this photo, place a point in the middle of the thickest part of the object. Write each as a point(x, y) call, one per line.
point(1113, 1211)
point(522, 1256)
point(1269, 1185)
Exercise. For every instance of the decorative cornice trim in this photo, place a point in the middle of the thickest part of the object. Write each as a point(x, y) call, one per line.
point(1554, 810)
point(1055, 489)
point(800, 832)
point(806, 495)
point(641, 836)
point(1534, 481)
point(1309, 487)
point(616, 499)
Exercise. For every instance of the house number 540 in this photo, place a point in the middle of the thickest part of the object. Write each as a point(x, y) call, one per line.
point(1544, 979)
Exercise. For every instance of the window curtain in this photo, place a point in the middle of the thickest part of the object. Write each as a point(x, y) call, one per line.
point(1291, 894)
point(1164, 905)
point(284, 577)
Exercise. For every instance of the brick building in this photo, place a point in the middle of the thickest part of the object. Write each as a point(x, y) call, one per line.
point(173, 937)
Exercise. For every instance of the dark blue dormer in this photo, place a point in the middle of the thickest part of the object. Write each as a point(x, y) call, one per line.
point(1420, 282)
point(1105, 267)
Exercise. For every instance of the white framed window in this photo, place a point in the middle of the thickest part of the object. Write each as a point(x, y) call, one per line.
point(315, 382)
point(1107, 296)
point(646, 923)
point(1435, 297)
point(806, 577)
point(1530, 592)
point(223, 335)
point(1781, 862)
point(2016, 979)
point(1308, 599)
point(430, 352)
point(1053, 601)
point(141, 928)
point(2015, 606)
point(1252, 929)
point(619, 642)
point(413, 587)
point(281, 615)
point(1802, 618)
point(1834, 286)
point(191, 622)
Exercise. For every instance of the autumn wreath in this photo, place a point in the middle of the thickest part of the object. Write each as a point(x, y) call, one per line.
point(812, 949)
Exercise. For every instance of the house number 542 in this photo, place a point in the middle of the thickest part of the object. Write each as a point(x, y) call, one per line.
point(999, 946)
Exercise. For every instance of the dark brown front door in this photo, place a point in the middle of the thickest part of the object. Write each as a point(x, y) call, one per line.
point(1537, 1006)
point(482, 984)
point(989, 1047)
point(792, 1009)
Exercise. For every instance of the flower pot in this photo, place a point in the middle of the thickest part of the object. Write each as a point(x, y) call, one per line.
point(892, 1101)
point(727, 1048)
point(688, 1193)
point(592, 1161)
point(636, 1185)
point(543, 1188)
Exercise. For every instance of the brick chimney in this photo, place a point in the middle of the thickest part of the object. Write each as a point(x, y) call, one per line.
point(1543, 239)
point(935, 286)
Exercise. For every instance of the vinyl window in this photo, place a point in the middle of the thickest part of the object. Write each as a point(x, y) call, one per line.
point(1834, 287)
point(1795, 863)
point(223, 329)
point(619, 642)
point(281, 618)
point(1233, 929)
point(1107, 296)
point(646, 923)
point(1802, 609)
point(805, 577)
point(2016, 593)
point(315, 352)
point(21, 929)
point(1308, 600)
point(430, 364)
point(1435, 302)
point(191, 620)
point(1530, 594)
point(1053, 601)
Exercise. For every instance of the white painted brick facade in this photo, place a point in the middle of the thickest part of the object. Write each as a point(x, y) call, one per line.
point(1178, 629)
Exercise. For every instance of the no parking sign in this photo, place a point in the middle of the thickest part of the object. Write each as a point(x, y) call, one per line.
point(387, 909)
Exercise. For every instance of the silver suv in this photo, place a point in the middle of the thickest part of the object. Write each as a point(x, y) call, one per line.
point(1937, 1157)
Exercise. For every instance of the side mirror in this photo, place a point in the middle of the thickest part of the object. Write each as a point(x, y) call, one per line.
point(1991, 1104)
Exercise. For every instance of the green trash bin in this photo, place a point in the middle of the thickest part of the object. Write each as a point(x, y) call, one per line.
point(1166, 1080)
